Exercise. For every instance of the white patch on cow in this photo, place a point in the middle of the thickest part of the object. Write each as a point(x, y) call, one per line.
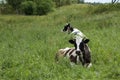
point(88, 48)
point(78, 41)
point(89, 65)
point(68, 53)
point(78, 60)
point(74, 53)
point(78, 33)
point(67, 48)
point(75, 31)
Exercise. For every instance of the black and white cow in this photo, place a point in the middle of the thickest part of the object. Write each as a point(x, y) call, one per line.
point(68, 28)
point(81, 52)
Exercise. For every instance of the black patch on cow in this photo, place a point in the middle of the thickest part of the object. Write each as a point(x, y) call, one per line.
point(86, 54)
point(72, 41)
point(73, 59)
point(81, 60)
point(86, 40)
point(71, 29)
point(66, 27)
point(81, 46)
point(67, 52)
point(71, 51)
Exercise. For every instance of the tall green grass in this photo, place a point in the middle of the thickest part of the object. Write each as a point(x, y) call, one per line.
point(28, 45)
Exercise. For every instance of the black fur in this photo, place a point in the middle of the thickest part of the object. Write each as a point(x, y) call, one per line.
point(67, 27)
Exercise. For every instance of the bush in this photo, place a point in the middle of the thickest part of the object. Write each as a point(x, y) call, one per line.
point(6, 9)
point(28, 7)
point(15, 4)
point(44, 6)
point(39, 7)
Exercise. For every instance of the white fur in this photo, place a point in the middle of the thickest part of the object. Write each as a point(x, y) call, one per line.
point(77, 32)
point(78, 60)
point(88, 48)
point(89, 65)
point(74, 53)
point(78, 41)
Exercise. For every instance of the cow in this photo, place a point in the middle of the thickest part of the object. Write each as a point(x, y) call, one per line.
point(80, 53)
point(70, 30)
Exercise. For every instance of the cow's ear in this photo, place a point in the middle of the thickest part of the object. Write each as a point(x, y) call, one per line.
point(68, 24)
point(86, 40)
point(72, 41)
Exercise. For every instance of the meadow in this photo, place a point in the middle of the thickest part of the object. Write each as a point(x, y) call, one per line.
point(28, 45)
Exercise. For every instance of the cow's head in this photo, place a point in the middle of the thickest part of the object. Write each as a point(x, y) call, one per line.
point(67, 28)
point(79, 44)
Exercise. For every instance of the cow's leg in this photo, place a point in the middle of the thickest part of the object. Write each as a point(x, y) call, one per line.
point(87, 59)
point(89, 65)
point(87, 56)
point(81, 60)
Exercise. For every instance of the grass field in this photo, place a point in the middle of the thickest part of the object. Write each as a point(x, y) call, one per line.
point(28, 45)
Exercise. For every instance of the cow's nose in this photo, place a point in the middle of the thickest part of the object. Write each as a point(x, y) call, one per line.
point(78, 52)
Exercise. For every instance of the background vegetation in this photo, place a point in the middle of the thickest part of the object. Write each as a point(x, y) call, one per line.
point(33, 7)
point(28, 44)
